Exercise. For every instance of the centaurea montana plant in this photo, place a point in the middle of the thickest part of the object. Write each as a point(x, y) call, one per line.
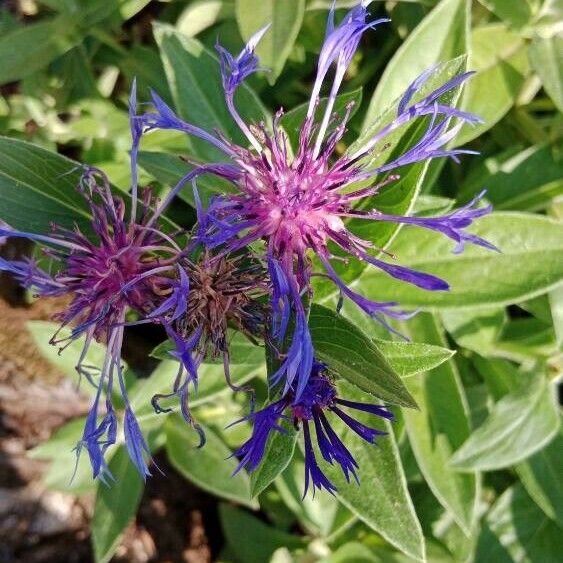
point(289, 207)
point(298, 205)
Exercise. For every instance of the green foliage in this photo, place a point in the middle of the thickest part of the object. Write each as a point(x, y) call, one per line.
point(381, 499)
point(279, 453)
point(352, 355)
point(520, 424)
point(473, 473)
point(285, 21)
point(440, 427)
point(211, 467)
point(531, 256)
point(115, 506)
point(38, 187)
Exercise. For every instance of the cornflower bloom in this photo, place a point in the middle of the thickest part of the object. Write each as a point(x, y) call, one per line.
point(132, 264)
point(309, 412)
point(120, 266)
point(298, 204)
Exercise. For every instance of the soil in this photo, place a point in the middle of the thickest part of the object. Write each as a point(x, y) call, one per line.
point(175, 521)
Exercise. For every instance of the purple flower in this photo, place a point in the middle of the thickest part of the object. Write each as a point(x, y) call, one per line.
point(310, 411)
point(125, 263)
point(299, 205)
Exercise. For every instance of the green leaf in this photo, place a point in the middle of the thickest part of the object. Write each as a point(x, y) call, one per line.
point(356, 552)
point(541, 476)
point(556, 305)
point(293, 120)
point(59, 450)
point(440, 427)
point(412, 358)
point(195, 81)
point(475, 329)
point(285, 20)
point(547, 20)
point(517, 530)
point(115, 506)
point(32, 47)
point(525, 339)
point(38, 188)
point(502, 377)
point(67, 475)
point(42, 331)
point(251, 539)
point(353, 356)
point(129, 8)
point(93, 11)
point(442, 35)
point(517, 14)
point(211, 467)
point(319, 515)
point(530, 263)
point(64, 438)
point(526, 180)
point(519, 425)
point(381, 500)
point(546, 58)
point(498, 55)
point(539, 308)
point(431, 205)
point(278, 454)
point(201, 14)
point(144, 64)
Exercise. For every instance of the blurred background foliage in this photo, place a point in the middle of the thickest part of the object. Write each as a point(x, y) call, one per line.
point(491, 495)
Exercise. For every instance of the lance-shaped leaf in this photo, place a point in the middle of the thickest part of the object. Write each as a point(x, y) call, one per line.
point(38, 188)
point(520, 424)
point(381, 499)
point(543, 480)
point(278, 454)
point(355, 357)
point(530, 263)
point(115, 506)
point(517, 530)
point(209, 467)
point(440, 427)
point(284, 19)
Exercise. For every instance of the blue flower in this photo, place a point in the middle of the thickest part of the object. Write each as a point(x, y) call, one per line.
point(309, 412)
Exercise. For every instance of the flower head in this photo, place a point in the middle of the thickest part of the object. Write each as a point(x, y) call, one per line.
point(223, 291)
point(299, 204)
point(309, 412)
